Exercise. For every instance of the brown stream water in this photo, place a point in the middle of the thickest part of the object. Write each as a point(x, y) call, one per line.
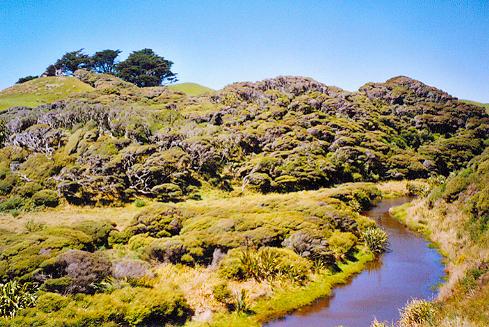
point(411, 269)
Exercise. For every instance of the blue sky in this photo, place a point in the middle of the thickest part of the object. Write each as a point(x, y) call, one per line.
point(342, 43)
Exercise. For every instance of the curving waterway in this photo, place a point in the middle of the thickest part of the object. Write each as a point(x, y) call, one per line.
point(410, 269)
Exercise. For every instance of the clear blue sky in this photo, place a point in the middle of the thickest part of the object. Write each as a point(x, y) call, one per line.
point(343, 43)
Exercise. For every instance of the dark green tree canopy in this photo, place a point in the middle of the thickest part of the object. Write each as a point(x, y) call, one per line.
point(104, 61)
point(71, 61)
point(146, 68)
point(25, 79)
point(50, 71)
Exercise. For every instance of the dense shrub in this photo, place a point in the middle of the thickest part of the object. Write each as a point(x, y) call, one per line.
point(417, 312)
point(417, 188)
point(156, 221)
point(23, 254)
point(166, 250)
point(376, 240)
point(12, 204)
point(221, 292)
point(52, 302)
point(130, 269)
point(124, 307)
point(78, 271)
point(47, 198)
point(310, 245)
point(341, 244)
point(98, 230)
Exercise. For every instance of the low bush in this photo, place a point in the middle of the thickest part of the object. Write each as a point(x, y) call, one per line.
point(98, 230)
point(130, 269)
point(77, 271)
point(417, 188)
point(139, 203)
point(221, 292)
point(156, 221)
point(311, 245)
point(376, 239)
point(417, 312)
point(12, 203)
point(32, 226)
point(166, 250)
point(123, 307)
point(47, 198)
point(341, 244)
point(51, 302)
point(267, 263)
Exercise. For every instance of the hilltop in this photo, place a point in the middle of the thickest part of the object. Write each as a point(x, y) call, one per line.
point(41, 91)
point(190, 88)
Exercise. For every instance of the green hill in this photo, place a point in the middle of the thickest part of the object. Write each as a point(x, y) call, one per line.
point(41, 91)
point(192, 89)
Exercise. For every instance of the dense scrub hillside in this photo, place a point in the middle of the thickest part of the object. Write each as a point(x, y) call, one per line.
point(116, 141)
point(455, 215)
point(235, 261)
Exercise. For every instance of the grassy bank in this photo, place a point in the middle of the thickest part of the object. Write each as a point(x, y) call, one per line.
point(288, 299)
point(455, 217)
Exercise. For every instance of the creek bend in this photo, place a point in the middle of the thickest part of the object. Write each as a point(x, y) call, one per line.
point(410, 269)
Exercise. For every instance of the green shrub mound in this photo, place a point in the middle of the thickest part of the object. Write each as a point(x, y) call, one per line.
point(124, 307)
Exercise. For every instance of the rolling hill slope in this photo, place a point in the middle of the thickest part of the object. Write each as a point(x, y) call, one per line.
point(41, 91)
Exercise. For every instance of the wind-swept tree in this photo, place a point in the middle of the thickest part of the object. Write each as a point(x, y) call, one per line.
point(71, 61)
point(104, 61)
point(51, 70)
point(146, 68)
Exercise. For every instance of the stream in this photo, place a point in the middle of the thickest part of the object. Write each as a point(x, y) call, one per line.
point(409, 269)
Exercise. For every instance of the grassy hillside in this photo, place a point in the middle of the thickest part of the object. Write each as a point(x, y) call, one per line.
point(192, 89)
point(41, 91)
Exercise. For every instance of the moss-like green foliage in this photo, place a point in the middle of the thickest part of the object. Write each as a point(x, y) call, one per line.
point(23, 254)
point(341, 244)
point(285, 134)
point(127, 307)
point(47, 198)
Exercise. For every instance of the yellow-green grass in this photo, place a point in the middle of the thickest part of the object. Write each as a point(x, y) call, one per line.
point(41, 90)
point(192, 89)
